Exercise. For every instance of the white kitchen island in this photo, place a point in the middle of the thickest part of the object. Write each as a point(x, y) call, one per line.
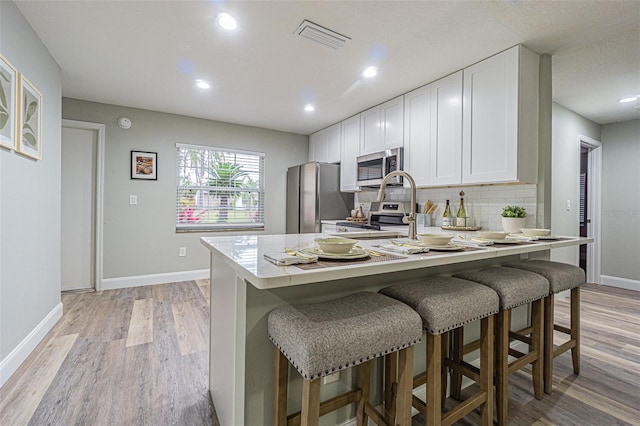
point(245, 288)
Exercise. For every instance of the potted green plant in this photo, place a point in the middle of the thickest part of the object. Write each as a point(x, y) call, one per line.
point(513, 218)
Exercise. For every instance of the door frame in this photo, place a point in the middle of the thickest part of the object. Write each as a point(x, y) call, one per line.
point(594, 204)
point(99, 195)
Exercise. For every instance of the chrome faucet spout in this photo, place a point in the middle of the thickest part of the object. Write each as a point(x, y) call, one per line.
point(412, 184)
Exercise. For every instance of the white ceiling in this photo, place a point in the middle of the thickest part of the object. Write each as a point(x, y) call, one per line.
point(146, 54)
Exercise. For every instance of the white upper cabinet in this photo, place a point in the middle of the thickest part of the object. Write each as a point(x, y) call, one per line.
point(324, 146)
point(433, 132)
point(417, 134)
point(350, 152)
point(382, 127)
point(500, 118)
point(445, 150)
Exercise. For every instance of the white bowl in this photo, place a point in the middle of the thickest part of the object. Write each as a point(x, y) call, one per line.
point(435, 239)
point(492, 235)
point(336, 245)
point(535, 232)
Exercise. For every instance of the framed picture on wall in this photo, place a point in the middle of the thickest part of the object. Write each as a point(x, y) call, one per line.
point(29, 119)
point(144, 165)
point(8, 104)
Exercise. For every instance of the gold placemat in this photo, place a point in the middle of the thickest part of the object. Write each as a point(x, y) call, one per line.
point(331, 263)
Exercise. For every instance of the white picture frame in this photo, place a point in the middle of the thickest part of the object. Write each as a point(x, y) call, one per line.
point(8, 104)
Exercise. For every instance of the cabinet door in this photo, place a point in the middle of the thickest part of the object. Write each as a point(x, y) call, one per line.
point(417, 131)
point(370, 134)
point(490, 119)
point(445, 152)
point(318, 147)
point(333, 143)
point(350, 150)
point(392, 123)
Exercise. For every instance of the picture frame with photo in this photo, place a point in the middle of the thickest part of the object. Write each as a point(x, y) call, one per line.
point(29, 119)
point(8, 104)
point(144, 165)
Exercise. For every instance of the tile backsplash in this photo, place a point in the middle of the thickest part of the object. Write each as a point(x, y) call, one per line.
point(483, 203)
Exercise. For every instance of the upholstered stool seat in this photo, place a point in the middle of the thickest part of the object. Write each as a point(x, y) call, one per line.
point(515, 288)
point(561, 277)
point(319, 339)
point(444, 304)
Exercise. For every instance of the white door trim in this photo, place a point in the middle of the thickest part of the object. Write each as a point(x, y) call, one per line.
point(100, 129)
point(594, 188)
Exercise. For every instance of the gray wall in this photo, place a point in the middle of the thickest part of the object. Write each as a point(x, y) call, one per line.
point(29, 195)
point(566, 127)
point(141, 240)
point(621, 200)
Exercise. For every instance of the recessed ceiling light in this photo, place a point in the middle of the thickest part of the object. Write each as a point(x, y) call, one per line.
point(202, 84)
point(370, 72)
point(629, 99)
point(227, 21)
point(309, 108)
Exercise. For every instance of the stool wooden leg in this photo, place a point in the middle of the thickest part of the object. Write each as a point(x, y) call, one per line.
point(390, 377)
point(575, 328)
point(434, 348)
point(537, 347)
point(549, 305)
point(280, 390)
point(310, 415)
point(457, 356)
point(443, 370)
point(486, 368)
point(405, 387)
point(364, 383)
point(502, 365)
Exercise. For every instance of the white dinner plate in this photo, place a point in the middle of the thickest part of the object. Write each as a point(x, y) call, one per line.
point(355, 253)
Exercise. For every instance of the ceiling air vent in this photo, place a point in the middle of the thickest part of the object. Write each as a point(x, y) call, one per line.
point(321, 35)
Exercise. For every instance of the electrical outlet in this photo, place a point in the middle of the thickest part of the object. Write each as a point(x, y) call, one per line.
point(133, 200)
point(524, 256)
point(183, 251)
point(331, 378)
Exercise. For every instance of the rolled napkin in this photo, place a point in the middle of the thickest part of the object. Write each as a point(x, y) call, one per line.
point(404, 249)
point(472, 242)
point(284, 259)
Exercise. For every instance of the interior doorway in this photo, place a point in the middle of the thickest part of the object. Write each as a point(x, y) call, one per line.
point(81, 229)
point(590, 216)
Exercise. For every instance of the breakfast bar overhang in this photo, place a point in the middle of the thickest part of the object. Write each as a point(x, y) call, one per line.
point(245, 288)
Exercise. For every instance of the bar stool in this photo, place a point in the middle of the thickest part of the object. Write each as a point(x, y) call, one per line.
point(319, 339)
point(561, 277)
point(445, 304)
point(514, 287)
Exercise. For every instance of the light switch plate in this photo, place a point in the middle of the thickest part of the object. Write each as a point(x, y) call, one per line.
point(133, 200)
point(331, 378)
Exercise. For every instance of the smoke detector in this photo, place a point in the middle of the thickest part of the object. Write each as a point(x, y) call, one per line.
point(322, 35)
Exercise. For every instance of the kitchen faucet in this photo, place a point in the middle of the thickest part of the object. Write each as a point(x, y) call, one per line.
point(412, 215)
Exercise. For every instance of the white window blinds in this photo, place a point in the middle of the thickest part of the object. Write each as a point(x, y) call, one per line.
point(218, 189)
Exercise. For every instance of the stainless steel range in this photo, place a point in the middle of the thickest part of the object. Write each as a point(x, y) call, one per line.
point(385, 213)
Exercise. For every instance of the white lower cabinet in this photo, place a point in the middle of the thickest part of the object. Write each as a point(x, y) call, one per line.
point(350, 144)
point(500, 118)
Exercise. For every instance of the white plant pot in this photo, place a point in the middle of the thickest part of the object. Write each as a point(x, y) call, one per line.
point(513, 225)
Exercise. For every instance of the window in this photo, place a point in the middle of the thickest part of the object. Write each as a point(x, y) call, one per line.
point(218, 189)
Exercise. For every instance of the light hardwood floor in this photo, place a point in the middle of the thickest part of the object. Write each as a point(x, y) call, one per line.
point(139, 356)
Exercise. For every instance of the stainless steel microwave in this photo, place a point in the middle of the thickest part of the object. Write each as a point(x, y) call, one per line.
point(372, 168)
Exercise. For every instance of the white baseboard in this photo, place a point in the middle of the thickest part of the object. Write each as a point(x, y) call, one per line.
point(620, 282)
point(12, 362)
point(142, 280)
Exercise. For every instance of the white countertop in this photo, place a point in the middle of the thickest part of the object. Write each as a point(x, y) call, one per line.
point(245, 255)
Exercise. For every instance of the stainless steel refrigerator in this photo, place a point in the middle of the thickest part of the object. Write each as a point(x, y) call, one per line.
point(313, 194)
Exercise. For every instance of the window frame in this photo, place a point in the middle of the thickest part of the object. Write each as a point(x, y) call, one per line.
point(196, 225)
